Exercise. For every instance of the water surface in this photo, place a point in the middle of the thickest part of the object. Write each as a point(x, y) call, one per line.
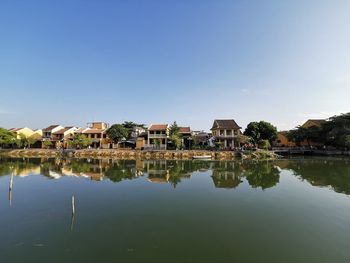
point(295, 210)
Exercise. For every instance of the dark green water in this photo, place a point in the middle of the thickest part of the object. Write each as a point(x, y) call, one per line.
point(175, 211)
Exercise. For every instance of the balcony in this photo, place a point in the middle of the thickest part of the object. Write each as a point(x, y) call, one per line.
point(157, 136)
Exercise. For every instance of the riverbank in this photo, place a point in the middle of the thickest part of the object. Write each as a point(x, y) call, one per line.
point(135, 154)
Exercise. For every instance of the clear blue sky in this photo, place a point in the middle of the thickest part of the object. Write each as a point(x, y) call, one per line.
point(152, 61)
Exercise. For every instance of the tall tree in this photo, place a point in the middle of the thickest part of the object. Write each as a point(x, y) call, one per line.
point(174, 134)
point(7, 138)
point(131, 124)
point(261, 131)
point(117, 132)
point(80, 141)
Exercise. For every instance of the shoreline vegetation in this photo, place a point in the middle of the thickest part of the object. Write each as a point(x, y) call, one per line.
point(145, 154)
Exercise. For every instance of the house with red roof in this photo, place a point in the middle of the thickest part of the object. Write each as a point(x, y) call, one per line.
point(158, 135)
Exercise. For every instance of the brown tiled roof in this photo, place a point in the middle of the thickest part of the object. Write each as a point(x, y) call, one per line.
point(61, 131)
point(89, 130)
point(184, 130)
point(158, 127)
point(225, 124)
point(50, 128)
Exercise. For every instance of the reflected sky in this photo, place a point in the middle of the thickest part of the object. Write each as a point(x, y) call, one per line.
point(291, 210)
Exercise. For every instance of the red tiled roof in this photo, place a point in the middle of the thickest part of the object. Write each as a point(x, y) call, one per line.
point(158, 127)
point(184, 130)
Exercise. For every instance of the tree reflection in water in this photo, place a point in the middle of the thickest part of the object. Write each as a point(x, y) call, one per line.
point(333, 173)
point(321, 172)
point(263, 174)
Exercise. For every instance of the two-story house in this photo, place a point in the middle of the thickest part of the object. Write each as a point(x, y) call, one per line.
point(64, 135)
point(48, 134)
point(157, 138)
point(97, 132)
point(225, 131)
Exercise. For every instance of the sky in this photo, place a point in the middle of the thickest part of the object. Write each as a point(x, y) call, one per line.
point(70, 62)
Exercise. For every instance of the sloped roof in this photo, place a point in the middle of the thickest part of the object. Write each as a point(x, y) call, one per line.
point(184, 130)
point(62, 131)
point(50, 128)
point(89, 130)
point(315, 122)
point(158, 127)
point(225, 124)
point(15, 129)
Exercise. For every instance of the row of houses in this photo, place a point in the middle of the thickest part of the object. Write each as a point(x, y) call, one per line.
point(156, 136)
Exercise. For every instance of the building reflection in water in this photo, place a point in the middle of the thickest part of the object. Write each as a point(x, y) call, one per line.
point(331, 173)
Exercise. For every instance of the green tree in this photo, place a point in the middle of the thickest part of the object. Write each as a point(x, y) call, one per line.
point(335, 130)
point(252, 131)
point(265, 144)
point(301, 134)
point(174, 129)
point(117, 132)
point(174, 134)
point(47, 144)
point(347, 140)
point(7, 138)
point(131, 125)
point(31, 141)
point(80, 141)
point(261, 131)
point(22, 141)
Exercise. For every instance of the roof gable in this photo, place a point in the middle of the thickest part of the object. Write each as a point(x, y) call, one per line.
point(313, 122)
point(50, 128)
point(225, 124)
point(158, 127)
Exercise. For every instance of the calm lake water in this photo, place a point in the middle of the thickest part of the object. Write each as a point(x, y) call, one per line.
point(292, 210)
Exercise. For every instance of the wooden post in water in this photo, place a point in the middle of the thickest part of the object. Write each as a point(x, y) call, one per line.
point(73, 213)
point(10, 189)
point(11, 182)
point(73, 205)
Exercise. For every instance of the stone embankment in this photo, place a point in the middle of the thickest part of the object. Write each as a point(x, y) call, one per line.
point(135, 154)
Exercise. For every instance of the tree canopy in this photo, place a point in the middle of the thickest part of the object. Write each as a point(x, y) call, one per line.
point(117, 132)
point(6, 137)
point(131, 125)
point(174, 134)
point(261, 131)
point(80, 140)
point(334, 132)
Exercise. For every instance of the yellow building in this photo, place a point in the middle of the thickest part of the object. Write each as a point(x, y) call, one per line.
point(28, 133)
point(282, 140)
point(308, 124)
point(313, 122)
